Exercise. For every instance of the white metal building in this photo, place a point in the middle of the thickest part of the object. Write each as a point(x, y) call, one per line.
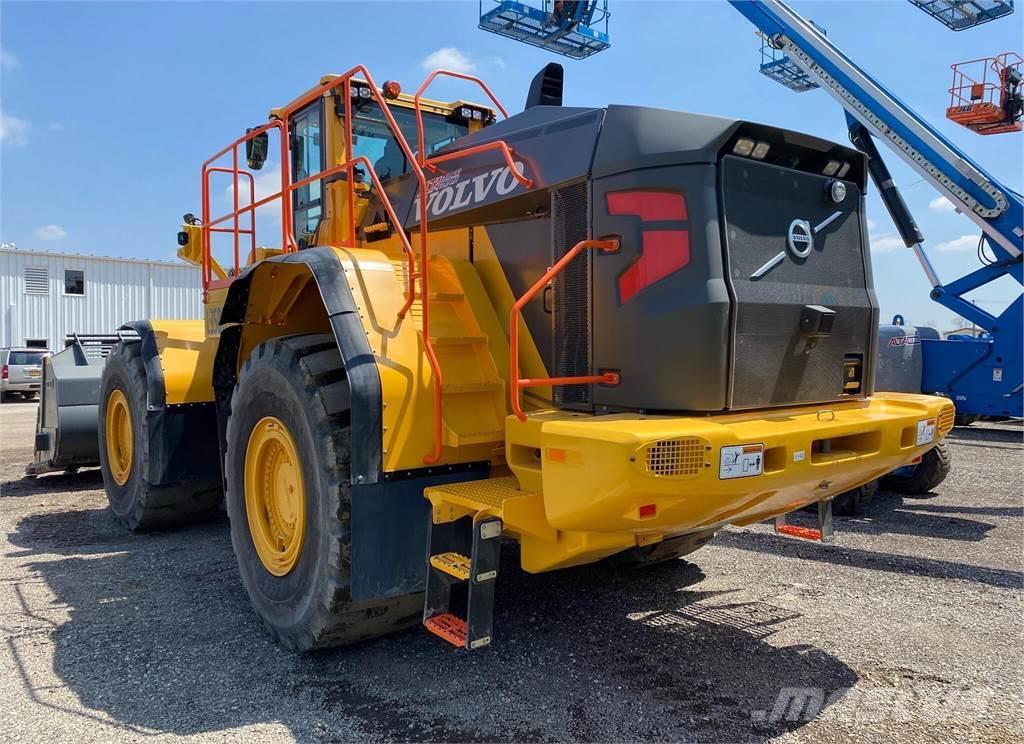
point(46, 295)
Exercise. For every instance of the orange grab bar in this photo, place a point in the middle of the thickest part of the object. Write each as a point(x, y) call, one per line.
point(516, 382)
point(288, 241)
point(499, 145)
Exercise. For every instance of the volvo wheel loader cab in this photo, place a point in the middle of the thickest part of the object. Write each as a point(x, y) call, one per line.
point(599, 332)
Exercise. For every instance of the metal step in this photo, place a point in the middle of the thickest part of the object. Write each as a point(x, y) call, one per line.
point(823, 533)
point(453, 564)
point(459, 601)
point(452, 438)
point(461, 388)
point(458, 340)
point(449, 627)
point(446, 296)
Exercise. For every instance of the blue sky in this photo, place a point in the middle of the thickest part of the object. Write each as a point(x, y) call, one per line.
point(109, 108)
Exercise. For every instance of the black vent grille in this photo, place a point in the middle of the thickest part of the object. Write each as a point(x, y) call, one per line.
point(571, 337)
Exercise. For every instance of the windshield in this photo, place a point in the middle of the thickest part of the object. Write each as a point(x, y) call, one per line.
point(372, 137)
point(25, 357)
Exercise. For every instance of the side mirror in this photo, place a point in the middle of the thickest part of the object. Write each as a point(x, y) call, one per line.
point(256, 149)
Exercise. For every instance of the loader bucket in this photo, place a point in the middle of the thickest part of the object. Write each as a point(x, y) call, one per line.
point(66, 423)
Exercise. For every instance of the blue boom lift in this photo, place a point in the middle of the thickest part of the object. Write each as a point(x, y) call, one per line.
point(982, 375)
point(575, 29)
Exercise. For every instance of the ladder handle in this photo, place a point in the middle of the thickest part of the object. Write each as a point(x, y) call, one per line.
point(515, 382)
point(419, 112)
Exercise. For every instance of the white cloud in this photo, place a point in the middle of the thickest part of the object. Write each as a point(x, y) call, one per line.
point(498, 62)
point(963, 243)
point(885, 243)
point(8, 60)
point(267, 183)
point(941, 204)
point(49, 232)
point(448, 58)
point(56, 126)
point(14, 131)
point(871, 225)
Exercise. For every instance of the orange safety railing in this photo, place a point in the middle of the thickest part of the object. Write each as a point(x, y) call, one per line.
point(980, 80)
point(288, 242)
point(498, 145)
point(515, 381)
point(209, 224)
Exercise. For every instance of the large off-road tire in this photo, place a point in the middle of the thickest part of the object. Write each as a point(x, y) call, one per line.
point(853, 502)
point(666, 550)
point(929, 473)
point(124, 454)
point(289, 499)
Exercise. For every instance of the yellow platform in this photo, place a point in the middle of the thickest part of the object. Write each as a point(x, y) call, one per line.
point(585, 486)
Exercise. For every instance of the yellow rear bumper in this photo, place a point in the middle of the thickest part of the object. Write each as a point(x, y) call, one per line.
point(665, 475)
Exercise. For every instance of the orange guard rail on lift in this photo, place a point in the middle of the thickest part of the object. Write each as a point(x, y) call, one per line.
point(515, 381)
point(288, 241)
point(979, 104)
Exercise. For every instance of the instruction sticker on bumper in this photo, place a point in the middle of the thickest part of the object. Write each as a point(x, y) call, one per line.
point(741, 461)
point(925, 431)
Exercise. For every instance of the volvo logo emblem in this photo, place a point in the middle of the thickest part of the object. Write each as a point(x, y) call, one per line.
point(800, 238)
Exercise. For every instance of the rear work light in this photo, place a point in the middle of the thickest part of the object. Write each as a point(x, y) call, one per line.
point(743, 147)
point(830, 168)
point(760, 150)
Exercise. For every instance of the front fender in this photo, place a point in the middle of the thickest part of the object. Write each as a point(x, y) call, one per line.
point(252, 298)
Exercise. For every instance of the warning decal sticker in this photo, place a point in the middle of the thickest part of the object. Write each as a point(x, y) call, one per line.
point(741, 461)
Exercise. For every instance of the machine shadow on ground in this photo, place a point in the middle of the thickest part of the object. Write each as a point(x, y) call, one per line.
point(161, 637)
point(67, 482)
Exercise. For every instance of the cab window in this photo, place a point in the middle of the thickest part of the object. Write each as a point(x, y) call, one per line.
point(372, 136)
point(307, 160)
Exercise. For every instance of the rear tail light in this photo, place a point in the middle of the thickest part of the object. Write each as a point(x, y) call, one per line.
point(3, 373)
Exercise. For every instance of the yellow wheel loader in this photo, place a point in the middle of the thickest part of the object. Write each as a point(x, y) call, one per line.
point(603, 333)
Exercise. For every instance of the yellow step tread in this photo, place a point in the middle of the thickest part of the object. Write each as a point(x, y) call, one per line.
point(489, 492)
point(458, 340)
point(453, 564)
point(470, 387)
point(445, 296)
point(473, 437)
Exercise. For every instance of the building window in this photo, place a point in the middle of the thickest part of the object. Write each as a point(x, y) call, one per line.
point(37, 343)
point(74, 282)
point(37, 280)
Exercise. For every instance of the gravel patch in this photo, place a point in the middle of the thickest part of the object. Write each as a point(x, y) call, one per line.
point(907, 628)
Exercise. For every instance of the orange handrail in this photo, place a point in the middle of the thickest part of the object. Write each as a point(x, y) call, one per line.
point(208, 168)
point(515, 381)
point(289, 244)
point(988, 90)
point(499, 145)
point(288, 241)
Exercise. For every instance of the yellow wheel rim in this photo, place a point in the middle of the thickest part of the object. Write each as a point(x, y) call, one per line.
point(275, 498)
point(120, 442)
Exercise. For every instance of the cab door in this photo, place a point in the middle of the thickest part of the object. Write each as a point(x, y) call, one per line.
point(307, 155)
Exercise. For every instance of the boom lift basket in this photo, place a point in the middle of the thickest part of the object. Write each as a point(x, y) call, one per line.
point(778, 66)
point(961, 14)
point(573, 29)
point(986, 94)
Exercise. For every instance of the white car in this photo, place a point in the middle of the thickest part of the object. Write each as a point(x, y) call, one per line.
point(21, 371)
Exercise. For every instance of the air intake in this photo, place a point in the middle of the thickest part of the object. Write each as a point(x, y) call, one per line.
point(546, 88)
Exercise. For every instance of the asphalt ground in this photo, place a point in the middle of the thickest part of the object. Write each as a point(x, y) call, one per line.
point(907, 628)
